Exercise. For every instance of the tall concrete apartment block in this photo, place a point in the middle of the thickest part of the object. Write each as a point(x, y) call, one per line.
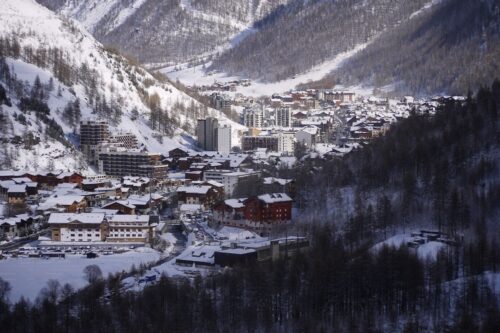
point(207, 136)
point(224, 139)
point(284, 117)
point(253, 116)
point(92, 134)
point(212, 136)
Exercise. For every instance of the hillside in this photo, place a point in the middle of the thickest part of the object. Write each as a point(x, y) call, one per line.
point(52, 64)
point(341, 284)
point(413, 47)
point(452, 49)
point(307, 33)
point(428, 172)
point(169, 31)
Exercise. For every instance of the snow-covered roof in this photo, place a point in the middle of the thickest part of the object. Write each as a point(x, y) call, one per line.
point(313, 130)
point(235, 203)
point(214, 183)
point(128, 218)
point(194, 189)
point(86, 218)
point(275, 197)
point(280, 181)
point(125, 203)
point(21, 180)
point(17, 188)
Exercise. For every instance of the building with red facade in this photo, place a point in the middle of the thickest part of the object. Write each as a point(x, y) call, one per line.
point(260, 214)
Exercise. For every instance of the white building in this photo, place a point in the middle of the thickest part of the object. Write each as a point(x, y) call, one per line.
point(128, 228)
point(99, 227)
point(231, 179)
point(307, 135)
point(286, 142)
point(70, 227)
point(253, 116)
point(224, 139)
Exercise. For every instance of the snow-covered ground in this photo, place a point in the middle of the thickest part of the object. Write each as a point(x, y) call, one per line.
point(119, 82)
point(27, 276)
point(428, 250)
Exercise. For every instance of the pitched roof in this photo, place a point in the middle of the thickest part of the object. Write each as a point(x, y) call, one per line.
point(194, 189)
point(275, 197)
point(86, 218)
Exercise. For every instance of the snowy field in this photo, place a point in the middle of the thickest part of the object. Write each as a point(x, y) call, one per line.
point(429, 250)
point(27, 276)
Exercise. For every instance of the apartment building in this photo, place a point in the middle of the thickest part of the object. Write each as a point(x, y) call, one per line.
point(120, 162)
point(93, 133)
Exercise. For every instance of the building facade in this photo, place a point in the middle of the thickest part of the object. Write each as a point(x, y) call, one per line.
point(253, 117)
point(260, 214)
point(206, 133)
point(224, 139)
point(283, 117)
point(92, 134)
point(99, 227)
point(250, 143)
point(120, 162)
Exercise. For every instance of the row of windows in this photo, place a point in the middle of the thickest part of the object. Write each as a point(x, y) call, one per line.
point(125, 235)
point(88, 235)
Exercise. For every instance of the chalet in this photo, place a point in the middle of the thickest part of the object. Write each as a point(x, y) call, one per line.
point(18, 225)
point(31, 188)
point(205, 195)
point(70, 177)
point(194, 174)
point(122, 206)
point(16, 194)
point(51, 179)
point(64, 203)
point(138, 184)
point(230, 212)
point(8, 229)
point(178, 153)
point(92, 184)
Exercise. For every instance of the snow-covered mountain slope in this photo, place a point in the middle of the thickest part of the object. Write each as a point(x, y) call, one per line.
point(419, 47)
point(167, 31)
point(73, 68)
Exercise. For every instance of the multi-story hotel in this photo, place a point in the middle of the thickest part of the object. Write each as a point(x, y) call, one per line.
point(99, 227)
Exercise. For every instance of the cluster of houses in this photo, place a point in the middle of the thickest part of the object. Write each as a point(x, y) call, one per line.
point(107, 208)
point(72, 206)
